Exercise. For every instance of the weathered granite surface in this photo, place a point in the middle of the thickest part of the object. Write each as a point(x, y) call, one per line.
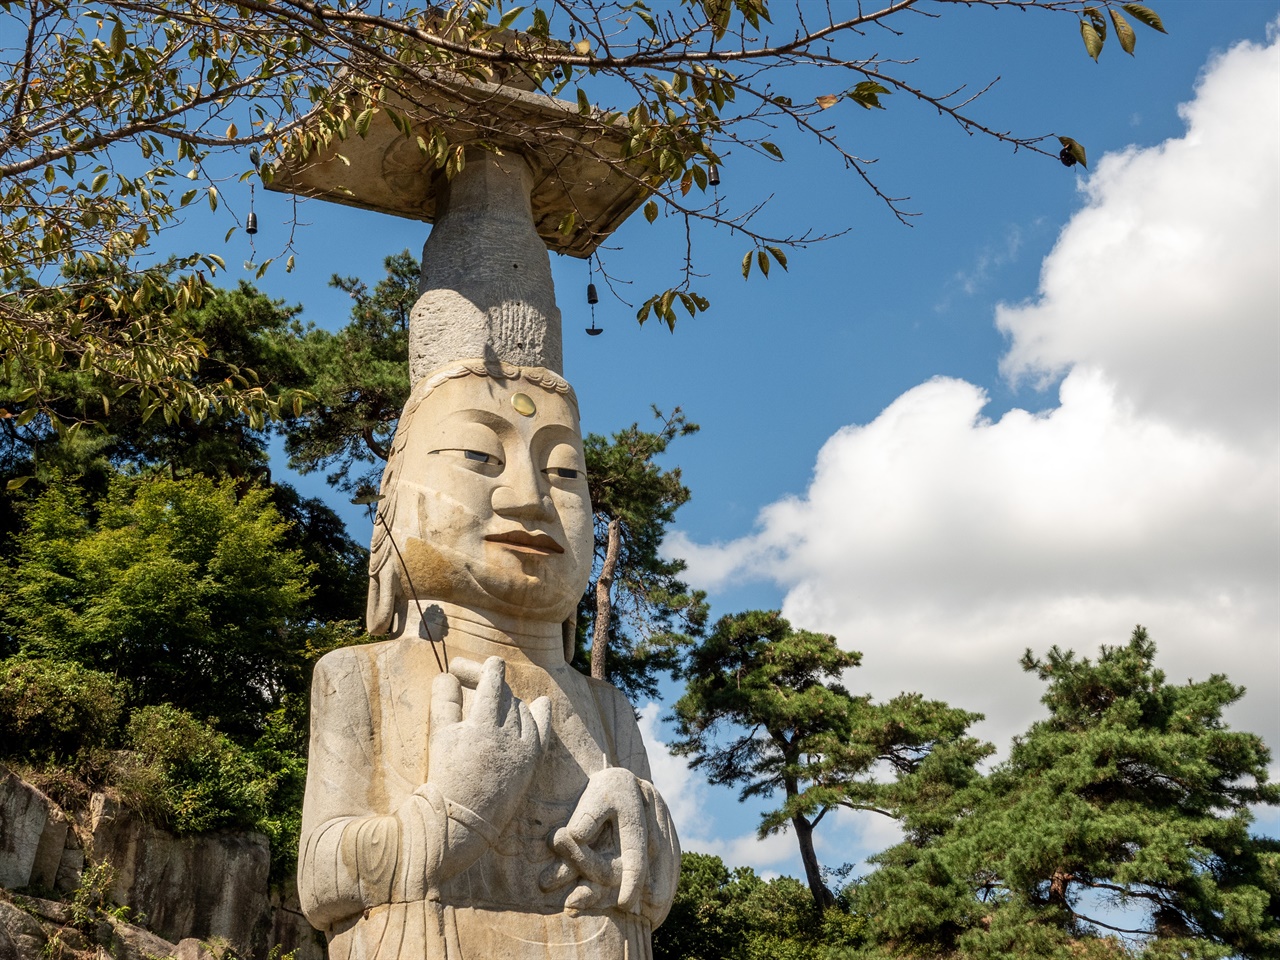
point(33, 834)
point(469, 794)
point(486, 287)
point(187, 890)
point(210, 885)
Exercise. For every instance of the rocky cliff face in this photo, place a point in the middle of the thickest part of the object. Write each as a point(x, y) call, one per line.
point(182, 894)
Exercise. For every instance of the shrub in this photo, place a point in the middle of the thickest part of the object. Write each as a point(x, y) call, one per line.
point(188, 777)
point(56, 712)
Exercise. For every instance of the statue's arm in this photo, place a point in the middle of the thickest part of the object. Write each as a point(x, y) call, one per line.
point(644, 876)
point(663, 843)
point(355, 851)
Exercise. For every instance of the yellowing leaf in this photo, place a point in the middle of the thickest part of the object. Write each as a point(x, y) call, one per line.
point(827, 100)
point(651, 211)
point(582, 47)
point(1092, 39)
point(1145, 15)
point(1124, 33)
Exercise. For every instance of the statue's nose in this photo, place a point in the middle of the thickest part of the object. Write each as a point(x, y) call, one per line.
point(522, 497)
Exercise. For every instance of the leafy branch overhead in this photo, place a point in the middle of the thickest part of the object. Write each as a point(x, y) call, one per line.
point(1093, 27)
point(119, 120)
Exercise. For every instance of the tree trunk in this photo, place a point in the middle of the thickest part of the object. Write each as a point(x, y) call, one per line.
point(822, 897)
point(604, 601)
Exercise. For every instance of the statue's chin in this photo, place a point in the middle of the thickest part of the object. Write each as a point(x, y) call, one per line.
point(520, 585)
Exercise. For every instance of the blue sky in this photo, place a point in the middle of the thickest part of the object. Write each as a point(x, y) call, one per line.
point(1046, 411)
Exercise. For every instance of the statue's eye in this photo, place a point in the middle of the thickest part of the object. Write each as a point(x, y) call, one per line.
point(487, 463)
point(564, 473)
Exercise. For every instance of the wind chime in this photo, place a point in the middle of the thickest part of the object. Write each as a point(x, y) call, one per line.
point(592, 298)
point(251, 221)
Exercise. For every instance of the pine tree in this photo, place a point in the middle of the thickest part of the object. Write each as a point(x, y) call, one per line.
point(1125, 811)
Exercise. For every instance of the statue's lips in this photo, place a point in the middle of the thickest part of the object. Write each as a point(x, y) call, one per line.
point(524, 540)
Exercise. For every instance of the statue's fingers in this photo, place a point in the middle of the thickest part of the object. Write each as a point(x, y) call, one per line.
point(540, 713)
point(518, 718)
point(664, 849)
point(557, 875)
point(467, 671)
point(586, 895)
point(589, 815)
point(446, 701)
point(488, 706)
point(633, 842)
point(583, 860)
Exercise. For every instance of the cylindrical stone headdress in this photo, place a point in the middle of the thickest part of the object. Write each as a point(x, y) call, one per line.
point(486, 288)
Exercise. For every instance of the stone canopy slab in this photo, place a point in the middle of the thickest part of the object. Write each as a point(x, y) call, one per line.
point(576, 161)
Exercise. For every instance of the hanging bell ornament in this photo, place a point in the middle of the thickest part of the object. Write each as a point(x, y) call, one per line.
point(592, 297)
point(251, 223)
point(713, 175)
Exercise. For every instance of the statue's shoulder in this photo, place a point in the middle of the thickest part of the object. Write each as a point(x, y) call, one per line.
point(606, 693)
point(356, 659)
point(356, 653)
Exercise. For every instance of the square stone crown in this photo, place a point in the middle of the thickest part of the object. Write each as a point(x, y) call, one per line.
point(576, 160)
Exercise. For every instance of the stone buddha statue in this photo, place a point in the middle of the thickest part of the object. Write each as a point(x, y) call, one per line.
point(470, 795)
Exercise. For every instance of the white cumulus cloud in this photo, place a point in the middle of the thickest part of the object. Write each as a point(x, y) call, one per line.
point(942, 543)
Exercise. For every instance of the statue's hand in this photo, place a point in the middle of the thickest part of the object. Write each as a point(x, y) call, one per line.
point(640, 876)
point(484, 763)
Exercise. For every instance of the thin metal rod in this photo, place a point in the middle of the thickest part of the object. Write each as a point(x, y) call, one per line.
point(413, 591)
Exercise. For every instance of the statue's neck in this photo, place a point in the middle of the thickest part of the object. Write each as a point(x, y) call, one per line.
point(480, 634)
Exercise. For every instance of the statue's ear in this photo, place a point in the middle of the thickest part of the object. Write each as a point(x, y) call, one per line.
point(569, 631)
point(380, 609)
point(384, 575)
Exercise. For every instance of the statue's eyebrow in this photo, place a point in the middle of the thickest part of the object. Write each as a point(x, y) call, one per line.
point(557, 431)
point(477, 415)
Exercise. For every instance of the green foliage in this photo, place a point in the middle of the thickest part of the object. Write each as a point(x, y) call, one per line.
point(720, 914)
point(1131, 793)
point(180, 586)
point(113, 112)
point(359, 379)
point(281, 756)
point(246, 338)
point(186, 776)
point(764, 710)
point(90, 902)
point(636, 607)
point(54, 712)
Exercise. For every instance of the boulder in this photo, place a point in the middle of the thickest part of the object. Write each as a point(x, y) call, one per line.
point(206, 886)
point(21, 936)
point(134, 943)
point(33, 835)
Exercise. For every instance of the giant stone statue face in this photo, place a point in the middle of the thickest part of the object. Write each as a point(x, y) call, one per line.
point(497, 481)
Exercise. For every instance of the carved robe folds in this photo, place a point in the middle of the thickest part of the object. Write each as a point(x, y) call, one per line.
point(374, 838)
